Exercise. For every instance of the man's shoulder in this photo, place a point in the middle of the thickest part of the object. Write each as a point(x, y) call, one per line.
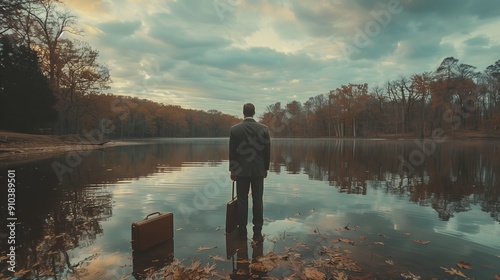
point(235, 126)
point(252, 123)
point(262, 125)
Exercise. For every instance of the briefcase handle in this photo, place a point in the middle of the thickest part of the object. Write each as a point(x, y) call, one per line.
point(232, 194)
point(151, 215)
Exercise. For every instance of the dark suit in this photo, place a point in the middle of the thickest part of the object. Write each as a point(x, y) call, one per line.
point(249, 156)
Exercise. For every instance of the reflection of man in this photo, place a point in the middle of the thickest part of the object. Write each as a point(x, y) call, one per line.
point(242, 269)
point(249, 154)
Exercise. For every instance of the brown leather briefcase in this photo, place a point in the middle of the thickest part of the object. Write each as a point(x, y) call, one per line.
point(152, 231)
point(232, 213)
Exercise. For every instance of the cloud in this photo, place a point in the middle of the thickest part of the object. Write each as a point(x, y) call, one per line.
point(120, 29)
point(479, 40)
point(215, 54)
point(87, 8)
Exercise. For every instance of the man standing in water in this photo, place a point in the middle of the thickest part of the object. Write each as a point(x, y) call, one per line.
point(249, 156)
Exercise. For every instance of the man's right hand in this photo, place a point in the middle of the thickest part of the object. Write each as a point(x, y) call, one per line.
point(233, 177)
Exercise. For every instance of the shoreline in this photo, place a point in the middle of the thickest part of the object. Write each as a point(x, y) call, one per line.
point(19, 147)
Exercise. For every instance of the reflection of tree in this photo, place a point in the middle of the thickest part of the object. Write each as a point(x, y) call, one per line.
point(451, 179)
point(56, 217)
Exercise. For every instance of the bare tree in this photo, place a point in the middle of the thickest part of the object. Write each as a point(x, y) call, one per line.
point(78, 75)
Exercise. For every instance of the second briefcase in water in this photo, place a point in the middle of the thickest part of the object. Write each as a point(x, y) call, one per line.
point(152, 231)
point(232, 213)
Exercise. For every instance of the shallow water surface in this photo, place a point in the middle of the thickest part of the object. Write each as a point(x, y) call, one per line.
point(375, 201)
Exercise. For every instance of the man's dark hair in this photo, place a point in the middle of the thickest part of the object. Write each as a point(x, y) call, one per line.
point(248, 110)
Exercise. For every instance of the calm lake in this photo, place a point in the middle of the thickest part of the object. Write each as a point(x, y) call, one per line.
point(394, 207)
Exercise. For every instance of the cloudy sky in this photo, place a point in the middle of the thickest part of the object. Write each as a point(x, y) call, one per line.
point(219, 54)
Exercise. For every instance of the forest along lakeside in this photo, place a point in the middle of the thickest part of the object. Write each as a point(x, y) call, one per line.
point(341, 199)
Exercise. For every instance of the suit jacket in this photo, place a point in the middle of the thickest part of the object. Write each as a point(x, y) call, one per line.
point(249, 149)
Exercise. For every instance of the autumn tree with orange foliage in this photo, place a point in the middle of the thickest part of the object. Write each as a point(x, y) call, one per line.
point(454, 97)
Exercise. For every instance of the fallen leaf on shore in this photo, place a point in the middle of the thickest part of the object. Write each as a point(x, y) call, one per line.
point(453, 271)
point(497, 277)
point(203, 248)
point(423, 242)
point(464, 265)
point(389, 262)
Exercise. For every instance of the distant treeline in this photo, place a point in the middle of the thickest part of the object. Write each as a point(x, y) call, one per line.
point(127, 117)
point(454, 97)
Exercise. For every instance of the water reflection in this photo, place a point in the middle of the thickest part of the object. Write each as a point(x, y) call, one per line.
point(84, 220)
point(455, 176)
point(237, 251)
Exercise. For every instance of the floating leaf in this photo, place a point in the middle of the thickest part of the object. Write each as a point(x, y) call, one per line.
point(297, 214)
point(312, 210)
point(453, 271)
point(203, 248)
point(243, 261)
point(266, 263)
point(302, 245)
point(345, 240)
point(406, 234)
point(260, 267)
point(313, 273)
point(410, 276)
point(341, 276)
point(218, 258)
point(210, 269)
point(362, 237)
point(464, 265)
point(241, 271)
point(389, 262)
point(423, 242)
point(379, 243)
point(349, 228)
